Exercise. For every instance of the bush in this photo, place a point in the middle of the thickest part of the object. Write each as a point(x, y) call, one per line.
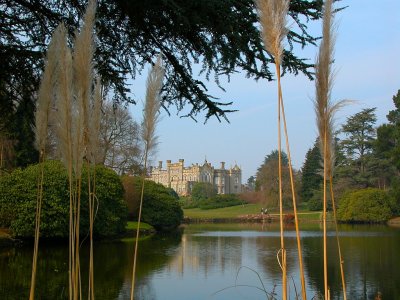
point(18, 202)
point(220, 201)
point(161, 207)
point(365, 206)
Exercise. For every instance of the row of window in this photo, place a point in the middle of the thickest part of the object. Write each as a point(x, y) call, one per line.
point(203, 178)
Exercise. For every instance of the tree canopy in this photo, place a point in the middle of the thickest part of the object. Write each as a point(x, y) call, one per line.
point(267, 179)
point(222, 37)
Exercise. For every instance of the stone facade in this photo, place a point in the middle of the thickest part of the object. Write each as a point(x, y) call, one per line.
point(182, 179)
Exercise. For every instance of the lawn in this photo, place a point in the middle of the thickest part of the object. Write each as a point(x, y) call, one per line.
point(247, 209)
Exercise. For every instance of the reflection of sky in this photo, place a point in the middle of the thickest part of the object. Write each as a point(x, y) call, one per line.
point(207, 262)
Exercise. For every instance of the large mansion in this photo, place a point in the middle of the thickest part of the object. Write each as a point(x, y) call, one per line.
point(181, 178)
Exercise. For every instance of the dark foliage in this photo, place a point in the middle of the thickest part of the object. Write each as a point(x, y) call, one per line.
point(222, 36)
point(161, 208)
point(311, 178)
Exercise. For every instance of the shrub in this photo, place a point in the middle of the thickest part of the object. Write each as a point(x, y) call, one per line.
point(161, 207)
point(18, 202)
point(367, 205)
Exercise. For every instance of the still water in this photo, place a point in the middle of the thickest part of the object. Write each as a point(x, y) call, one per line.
point(206, 261)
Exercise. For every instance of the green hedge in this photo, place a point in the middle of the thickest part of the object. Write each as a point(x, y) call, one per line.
point(18, 192)
point(365, 206)
point(161, 207)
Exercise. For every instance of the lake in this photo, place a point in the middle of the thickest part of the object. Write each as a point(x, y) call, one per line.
point(205, 261)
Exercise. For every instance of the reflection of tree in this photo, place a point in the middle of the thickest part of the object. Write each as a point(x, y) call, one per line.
point(51, 279)
point(368, 264)
point(313, 261)
point(153, 254)
point(267, 257)
point(209, 253)
point(369, 253)
point(112, 266)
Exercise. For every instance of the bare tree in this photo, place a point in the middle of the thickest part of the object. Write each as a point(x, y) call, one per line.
point(119, 140)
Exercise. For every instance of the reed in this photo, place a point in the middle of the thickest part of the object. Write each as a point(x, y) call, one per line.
point(272, 15)
point(92, 159)
point(44, 101)
point(150, 120)
point(325, 111)
point(88, 120)
point(64, 133)
point(68, 78)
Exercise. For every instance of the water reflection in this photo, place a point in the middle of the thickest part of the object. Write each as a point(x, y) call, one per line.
point(203, 259)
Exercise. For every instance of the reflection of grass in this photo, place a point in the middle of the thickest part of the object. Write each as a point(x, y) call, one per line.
point(143, 226)
point(132, 239)
point(222, 213)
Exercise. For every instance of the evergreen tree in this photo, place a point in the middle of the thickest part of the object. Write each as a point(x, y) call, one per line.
point(387, 149)
point(357, 146)
point(311, 179)
point(25, 152)
point(222, 36)
point(388, 135)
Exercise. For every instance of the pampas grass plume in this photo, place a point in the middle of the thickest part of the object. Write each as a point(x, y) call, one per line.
point(64, 97)
point(272, 15)
point(46, 92)
point(150, 120)
point(94, 124)
point(152, 105)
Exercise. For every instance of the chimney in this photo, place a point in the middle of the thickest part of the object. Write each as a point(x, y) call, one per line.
point(168, 161)
point(181, 160)
point(222, 165)
point(160, 164)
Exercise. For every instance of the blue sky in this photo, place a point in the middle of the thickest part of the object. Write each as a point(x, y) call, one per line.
point(367, 66)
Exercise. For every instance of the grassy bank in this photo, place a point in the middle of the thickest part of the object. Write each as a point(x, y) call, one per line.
point(240, 210)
